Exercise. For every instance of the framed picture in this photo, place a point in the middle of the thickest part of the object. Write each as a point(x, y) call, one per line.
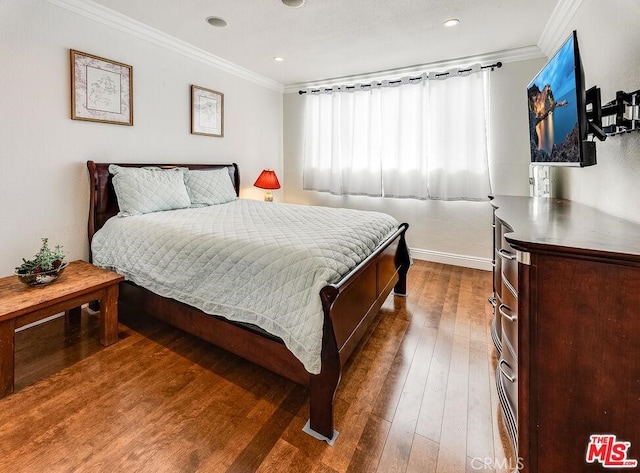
point(207, 112)
point(101, 90)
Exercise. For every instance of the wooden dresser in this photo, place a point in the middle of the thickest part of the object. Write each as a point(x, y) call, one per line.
point(567, 329)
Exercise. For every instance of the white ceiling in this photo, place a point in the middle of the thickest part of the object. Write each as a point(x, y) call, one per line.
point(326, 39)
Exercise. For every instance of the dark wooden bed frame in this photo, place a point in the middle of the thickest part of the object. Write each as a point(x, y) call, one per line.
point(349, 306)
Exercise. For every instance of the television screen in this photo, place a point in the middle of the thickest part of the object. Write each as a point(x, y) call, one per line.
point(554, 108)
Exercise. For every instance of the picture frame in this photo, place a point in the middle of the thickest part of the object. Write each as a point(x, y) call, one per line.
point(207, 112)
point(101, 89)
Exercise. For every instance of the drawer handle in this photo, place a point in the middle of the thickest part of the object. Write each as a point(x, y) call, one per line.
point(510, 317)
point(504, 254)
point(492, 300)
point(506, 375)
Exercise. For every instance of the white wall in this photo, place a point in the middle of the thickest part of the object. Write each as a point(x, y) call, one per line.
point(509, 154)
point(43, 178)
point(451, 232)
point(609, 40)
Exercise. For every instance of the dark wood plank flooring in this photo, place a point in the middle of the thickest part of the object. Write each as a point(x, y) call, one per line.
point(418, 396)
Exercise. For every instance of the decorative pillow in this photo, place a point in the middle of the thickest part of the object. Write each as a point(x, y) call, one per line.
point(209, 187)
point(144, 190)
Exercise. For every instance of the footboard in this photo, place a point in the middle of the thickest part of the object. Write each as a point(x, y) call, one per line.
point(349, 309)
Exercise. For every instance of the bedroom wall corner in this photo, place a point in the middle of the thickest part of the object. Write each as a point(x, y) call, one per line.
point(612, 64)
point(44, 187)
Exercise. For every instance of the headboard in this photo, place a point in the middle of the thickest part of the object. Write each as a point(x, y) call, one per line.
point(102, 197)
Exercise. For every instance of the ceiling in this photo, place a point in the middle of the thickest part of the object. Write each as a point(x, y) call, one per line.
point(326, 39)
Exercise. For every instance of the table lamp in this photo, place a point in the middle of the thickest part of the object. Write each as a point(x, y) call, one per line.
point(267, 180)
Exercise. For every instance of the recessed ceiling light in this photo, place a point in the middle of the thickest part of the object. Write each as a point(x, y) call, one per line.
point(451, 22)
point(216, 21)
point(293, 3)
point(278, 59)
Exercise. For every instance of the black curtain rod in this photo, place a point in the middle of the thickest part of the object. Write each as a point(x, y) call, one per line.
point(441, 74)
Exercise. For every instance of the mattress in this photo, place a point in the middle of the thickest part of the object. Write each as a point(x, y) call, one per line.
point(248, 261)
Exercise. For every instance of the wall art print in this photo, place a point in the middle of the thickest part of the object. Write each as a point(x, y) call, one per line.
point(101, 90)
point(207, 112)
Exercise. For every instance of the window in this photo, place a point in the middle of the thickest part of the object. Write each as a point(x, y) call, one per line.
point(425, 140)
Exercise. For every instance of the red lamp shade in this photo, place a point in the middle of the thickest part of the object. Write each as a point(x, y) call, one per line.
point(267, 180)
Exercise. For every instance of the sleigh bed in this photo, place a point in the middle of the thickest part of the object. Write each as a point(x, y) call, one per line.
point(348, 306)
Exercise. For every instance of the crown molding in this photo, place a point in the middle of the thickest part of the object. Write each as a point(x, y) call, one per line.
point(555, 31)
point(113, 19)
point(505, 56)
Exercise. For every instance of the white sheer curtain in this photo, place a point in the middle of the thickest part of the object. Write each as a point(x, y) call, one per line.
point(342, 144)
point(424, 141)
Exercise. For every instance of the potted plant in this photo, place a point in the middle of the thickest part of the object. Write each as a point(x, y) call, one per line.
point(44, 268)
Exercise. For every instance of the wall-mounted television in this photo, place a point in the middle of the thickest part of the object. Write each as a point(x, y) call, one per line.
point(559, 124)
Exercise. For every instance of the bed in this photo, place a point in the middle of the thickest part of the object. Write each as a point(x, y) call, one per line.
point(347, 306)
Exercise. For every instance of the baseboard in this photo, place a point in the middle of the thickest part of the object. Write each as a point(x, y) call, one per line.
point(453, 259)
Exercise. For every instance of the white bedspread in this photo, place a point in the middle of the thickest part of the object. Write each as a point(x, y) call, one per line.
point(249, 261)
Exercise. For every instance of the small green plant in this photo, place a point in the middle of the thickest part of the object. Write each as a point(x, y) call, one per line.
point(44, 260)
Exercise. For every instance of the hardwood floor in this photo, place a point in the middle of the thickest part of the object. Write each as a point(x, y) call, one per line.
point(417, 396)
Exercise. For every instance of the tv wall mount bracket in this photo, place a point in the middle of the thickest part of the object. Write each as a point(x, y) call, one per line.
point(617, 117)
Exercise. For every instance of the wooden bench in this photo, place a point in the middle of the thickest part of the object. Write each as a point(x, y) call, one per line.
point(20, 305)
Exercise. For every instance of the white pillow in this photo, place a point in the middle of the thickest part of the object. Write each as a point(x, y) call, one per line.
point(144, 190)
point(209, 187)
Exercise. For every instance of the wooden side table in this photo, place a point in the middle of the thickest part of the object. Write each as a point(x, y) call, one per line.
point(20, 305)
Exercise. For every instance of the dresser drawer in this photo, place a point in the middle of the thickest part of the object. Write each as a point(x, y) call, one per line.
point(509, 265)
point(508, 313)
point(497, 273)
point(507, 257)
point(508, 371)
point(496, 324)
point(497, 261)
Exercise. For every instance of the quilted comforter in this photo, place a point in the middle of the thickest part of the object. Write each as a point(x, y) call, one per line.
point(249, 261)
